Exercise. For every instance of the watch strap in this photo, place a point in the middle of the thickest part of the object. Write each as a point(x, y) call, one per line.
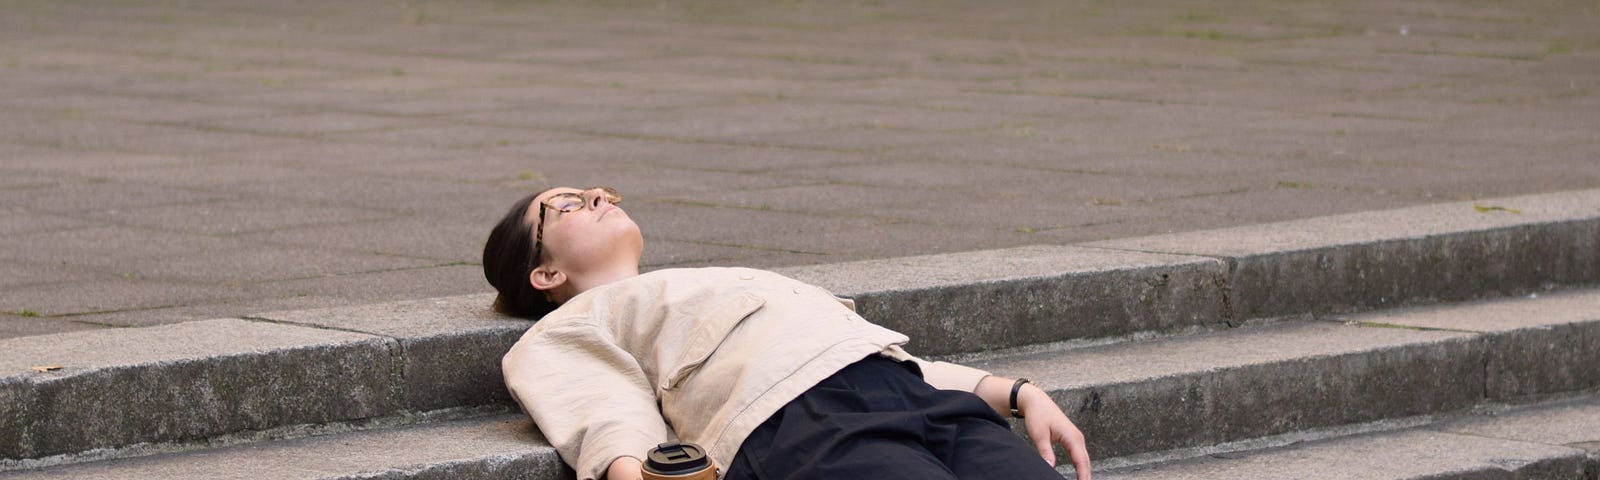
point(1015, 389)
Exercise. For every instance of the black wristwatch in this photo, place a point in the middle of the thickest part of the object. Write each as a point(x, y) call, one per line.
point(1015, 389)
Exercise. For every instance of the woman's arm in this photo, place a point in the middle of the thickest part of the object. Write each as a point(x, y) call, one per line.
point(625, 468)
point(589, 397)
point(1045, 422)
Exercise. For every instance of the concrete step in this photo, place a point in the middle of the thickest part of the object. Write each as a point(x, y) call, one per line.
point(190, 382)
point(1198, 391)
point(1144, 399)
point(1552, 440)
point(496, 447)
point(1558, 440)
point(981, 301)
point(1222, 387)
point(276, 374)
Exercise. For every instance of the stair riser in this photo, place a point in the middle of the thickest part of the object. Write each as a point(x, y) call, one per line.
point(1452, 267)
point(1213, 407)
point(456, 370)
point(192, 400)
point(1533, 362)
point(987, 316)
point(1233, 404)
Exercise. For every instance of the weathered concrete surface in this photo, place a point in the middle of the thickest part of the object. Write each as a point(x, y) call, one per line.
point(1229, 386)
point(449, 348)
point(1130, 398)
point(985, 300)
point(1252, 382)
point(1541, 345)
point(1574, 423)
point(184, 382)
point(164, 162)
point(1542, 440)
point(1379, 259)
point(498, 447)
point(1408, 455)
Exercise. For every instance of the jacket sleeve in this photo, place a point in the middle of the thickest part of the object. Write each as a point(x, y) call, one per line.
point(588, 396)
point(942, 375)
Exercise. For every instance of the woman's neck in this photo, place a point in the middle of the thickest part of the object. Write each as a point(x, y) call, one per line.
point(579, 282)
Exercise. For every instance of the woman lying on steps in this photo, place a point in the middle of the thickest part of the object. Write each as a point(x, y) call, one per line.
point(776, 378)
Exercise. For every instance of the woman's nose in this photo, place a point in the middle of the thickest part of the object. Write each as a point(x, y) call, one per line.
point(595, 196)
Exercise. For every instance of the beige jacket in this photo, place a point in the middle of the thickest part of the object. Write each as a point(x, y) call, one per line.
point(702, 355)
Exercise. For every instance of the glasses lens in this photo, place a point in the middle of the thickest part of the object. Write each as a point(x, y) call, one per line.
point(566, 202)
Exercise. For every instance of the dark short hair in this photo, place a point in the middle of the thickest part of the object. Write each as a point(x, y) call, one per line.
point(506, 264)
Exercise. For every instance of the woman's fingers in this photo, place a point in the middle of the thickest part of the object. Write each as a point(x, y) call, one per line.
point(1077, 450)
point(1047, 425)
point(1042, 443)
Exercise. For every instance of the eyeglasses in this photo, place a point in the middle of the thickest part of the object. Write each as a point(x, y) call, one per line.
point(565, 203)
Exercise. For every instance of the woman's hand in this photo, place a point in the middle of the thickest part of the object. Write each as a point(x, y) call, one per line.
point(1047, 424)
point(625, 468)
point(1044, 421)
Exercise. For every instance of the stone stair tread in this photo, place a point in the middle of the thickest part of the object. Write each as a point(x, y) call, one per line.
point(500, 446)
point(1141, 361)
point(88, 350)
point(1498, 315)
point(1402, 455)
point(1554, 440)
point(1571, 422)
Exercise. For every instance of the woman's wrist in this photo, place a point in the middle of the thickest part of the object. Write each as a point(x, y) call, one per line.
point(1011, 400)
point(1031, 396)
point(996, 391)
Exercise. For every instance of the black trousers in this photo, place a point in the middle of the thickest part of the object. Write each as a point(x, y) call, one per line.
point(877, 419)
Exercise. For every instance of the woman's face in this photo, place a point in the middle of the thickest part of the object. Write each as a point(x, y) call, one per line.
point(597, 234)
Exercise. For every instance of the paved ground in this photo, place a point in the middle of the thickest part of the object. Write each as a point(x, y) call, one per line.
point(163, 161)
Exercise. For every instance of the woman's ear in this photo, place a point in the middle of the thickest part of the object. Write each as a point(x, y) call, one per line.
point(545, 278)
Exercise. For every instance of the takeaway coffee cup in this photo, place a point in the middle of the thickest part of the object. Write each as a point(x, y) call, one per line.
point(678, 461)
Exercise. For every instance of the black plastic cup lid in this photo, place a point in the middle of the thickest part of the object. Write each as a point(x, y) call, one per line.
point(673, 458)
